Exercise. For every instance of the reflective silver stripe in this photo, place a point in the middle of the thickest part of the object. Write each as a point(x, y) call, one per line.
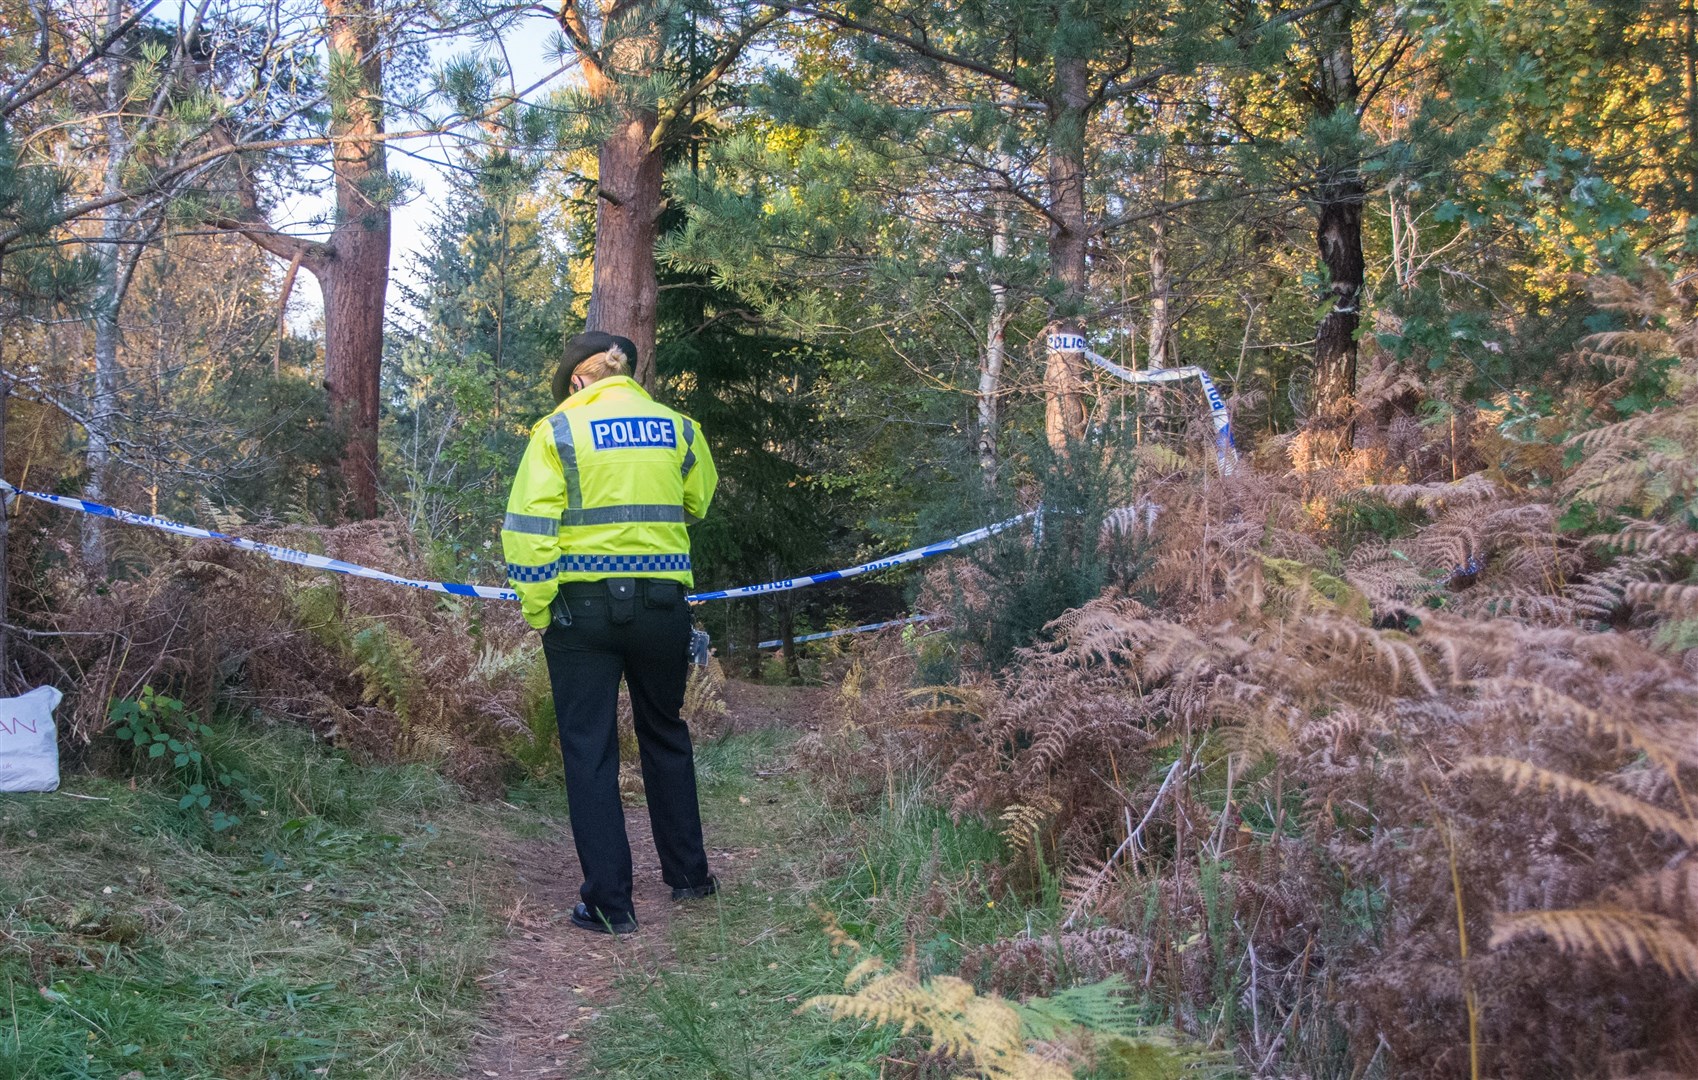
point(689, 445)
point(621, 515)
point(531, 523)
point(568, 457)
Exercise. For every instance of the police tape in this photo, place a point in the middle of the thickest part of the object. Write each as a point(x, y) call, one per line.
point(1226, 451)
point(864, 629)
point(490, 592)
point(942, 547)
point(270, 551)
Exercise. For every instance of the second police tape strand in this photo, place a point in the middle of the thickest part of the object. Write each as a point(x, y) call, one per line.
point(1226, 452)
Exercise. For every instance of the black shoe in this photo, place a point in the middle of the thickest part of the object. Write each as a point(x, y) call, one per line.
point(583, 920)
point(696, 892)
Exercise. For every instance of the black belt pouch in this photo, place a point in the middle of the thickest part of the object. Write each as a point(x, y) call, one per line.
point(662, 595)
point(621, 600)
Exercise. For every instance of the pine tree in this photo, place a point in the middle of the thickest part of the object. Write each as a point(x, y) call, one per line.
point(473, 374)
point(1044, 70)
point(35, 273)
point(649, 68)
point(753, 389)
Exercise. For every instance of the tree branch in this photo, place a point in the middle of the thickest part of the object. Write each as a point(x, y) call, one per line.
point(252, 224)
point(1113, 91)
point(283, 314)
point(179, 50)
point(165, 177)
point(46, 397)
point(44, 51)
point(571, 21)
point(13, 102)
point(1120, 221)
point(670, 115)
point(1384, 71)
point(922, 48)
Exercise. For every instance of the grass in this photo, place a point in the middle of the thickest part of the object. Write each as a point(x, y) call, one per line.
point(898, 876)
point(337, 931)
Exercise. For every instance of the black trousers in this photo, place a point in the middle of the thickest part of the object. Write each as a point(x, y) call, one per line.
point(585, 662)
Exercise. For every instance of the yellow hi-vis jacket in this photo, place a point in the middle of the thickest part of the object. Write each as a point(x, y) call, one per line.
point(606, 487)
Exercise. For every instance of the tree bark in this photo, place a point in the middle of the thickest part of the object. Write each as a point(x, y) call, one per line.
point(1161, 298)
point(283, 295)
point(355, 279)
point(1689, 43)
point(625, 289)
point(1338, 202)
point(103, 402)
point(1339, 236)
point(996, 351)
point(753, 663)
point(5, 519)
point(787, 635)
point(1064, 375)
point(352, 265)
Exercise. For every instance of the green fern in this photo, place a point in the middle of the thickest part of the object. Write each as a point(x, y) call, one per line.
point(1156, 1057)
point(1103, 1008)
point(318, 611)
point(388, 667)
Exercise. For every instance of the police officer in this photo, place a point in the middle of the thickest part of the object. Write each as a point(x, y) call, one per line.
point(598, 552)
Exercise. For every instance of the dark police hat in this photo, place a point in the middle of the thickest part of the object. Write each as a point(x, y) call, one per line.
point(581, 348)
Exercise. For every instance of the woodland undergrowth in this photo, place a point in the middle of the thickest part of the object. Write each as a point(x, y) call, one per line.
point(1383, 762)
point(1375, 756)
point(389, 674)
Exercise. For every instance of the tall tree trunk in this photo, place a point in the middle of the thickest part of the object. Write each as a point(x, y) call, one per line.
point(630, 50)
point(787, 634)
point(1689, 43)
point(1161, 298)
point(102, 403)
point(1064, 374)
point(753, 661)
point(355, 279)
point(352, 264)
point(1339, 235)
point(996, 351)
point(1338, 209)
point(5, 519)
point(625, 289)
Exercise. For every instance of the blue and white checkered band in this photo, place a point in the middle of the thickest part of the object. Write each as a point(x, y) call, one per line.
point(609, 565)
point(545, 572)
point(631, 432)
point(600, 564)
point(623, 564)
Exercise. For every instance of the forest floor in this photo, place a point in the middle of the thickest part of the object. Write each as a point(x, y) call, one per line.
point(548, 978)
point(371, 922)
point(359, 921)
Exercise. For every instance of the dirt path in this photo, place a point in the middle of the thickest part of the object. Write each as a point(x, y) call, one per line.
point(549, 978)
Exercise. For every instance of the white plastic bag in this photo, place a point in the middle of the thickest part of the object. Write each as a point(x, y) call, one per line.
point(29, 747)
